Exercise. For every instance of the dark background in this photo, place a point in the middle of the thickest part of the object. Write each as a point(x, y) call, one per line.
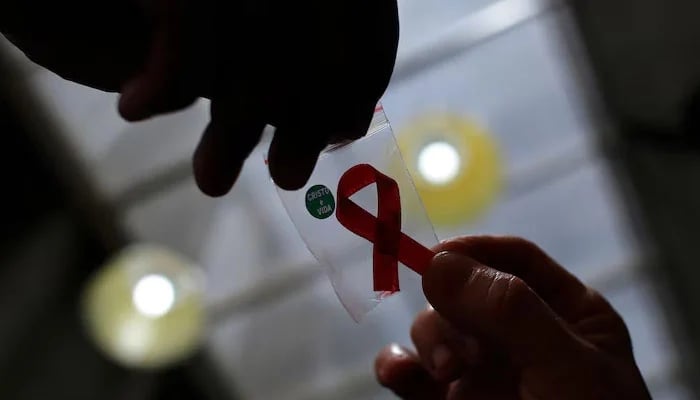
point(54, 234)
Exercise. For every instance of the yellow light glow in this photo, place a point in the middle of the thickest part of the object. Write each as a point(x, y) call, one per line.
point(144, 308)
point(455, 165)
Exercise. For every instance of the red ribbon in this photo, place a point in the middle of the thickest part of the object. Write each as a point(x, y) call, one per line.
point(390, 244)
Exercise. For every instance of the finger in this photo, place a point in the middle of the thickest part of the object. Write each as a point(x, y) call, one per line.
point(349, 126)
point(400, 371)
point(293, 155)
point(561, 290)
point(232, 133)
point(294, 152)
point(500, 308)
point(445, 352)
point(157, 88)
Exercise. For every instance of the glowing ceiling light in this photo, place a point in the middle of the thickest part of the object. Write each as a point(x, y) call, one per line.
point(153, 295)
point(439, 162)
point(145, 307)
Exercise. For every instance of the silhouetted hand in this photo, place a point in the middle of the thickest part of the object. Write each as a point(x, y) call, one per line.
point(509, 323)
point(314, 70)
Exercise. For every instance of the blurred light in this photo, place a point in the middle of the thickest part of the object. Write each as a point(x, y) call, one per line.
point(455, 165)
point(145, 307)
point(154, 295)
point(439, 162)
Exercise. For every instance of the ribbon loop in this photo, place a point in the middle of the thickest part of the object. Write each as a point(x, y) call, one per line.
point(384, 231)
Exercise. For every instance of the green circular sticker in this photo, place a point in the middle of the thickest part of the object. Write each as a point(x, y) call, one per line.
point(320, 202)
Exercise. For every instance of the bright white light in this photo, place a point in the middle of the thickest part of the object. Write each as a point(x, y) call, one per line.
point(438, 162)
point(153, 295)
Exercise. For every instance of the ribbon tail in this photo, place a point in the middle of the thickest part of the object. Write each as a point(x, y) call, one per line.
point(386, 273)
point(414, 255)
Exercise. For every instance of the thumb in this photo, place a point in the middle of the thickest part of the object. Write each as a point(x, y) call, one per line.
point(499, 308)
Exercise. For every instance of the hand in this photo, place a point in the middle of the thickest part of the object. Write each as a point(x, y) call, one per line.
point(509, 323)
point(314, 70)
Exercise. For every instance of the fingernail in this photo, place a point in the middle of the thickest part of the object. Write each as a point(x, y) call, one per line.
point(126, 97)
point(444, 257)
point(128, 107)
point(129, 91)
point(442, 358)
point(131, 106)
point(453, 261)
